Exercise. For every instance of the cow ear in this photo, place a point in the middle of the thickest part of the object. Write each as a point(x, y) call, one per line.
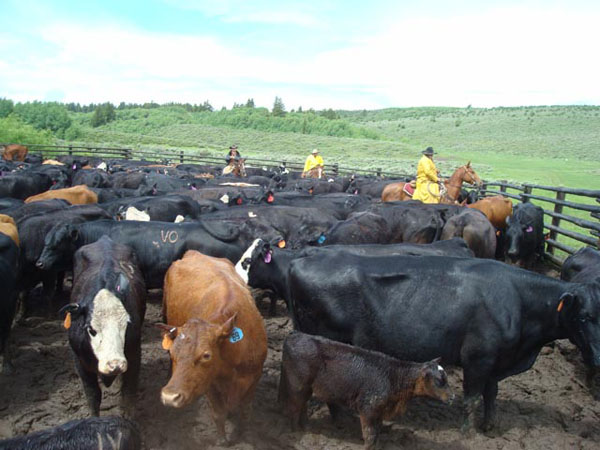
point(469, 164)
point(122, 283)
point(169, 333)
point(71, 308)
point(227, 327)
point(566, 302)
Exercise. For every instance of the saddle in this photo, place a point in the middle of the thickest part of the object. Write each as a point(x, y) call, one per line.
point(409, 188)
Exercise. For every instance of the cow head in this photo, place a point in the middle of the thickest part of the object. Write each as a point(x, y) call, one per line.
point(579, 314)
point(520, 238)
point(258, 249)
point(103, 323)
point(59, 243)
point(433, 382)
point(196, 354)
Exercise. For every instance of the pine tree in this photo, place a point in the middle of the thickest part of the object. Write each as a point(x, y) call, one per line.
point(278, 108)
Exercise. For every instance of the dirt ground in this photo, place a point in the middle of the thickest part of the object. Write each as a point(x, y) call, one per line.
point(547, 407)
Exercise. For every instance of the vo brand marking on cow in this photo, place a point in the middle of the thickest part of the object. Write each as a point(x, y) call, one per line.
point(170, 236)
point(236, 335)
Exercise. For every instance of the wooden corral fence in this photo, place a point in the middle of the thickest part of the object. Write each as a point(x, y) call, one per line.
point(183, 157)
point(552, 199)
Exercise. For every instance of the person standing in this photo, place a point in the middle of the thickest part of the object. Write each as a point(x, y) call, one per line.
point(314, 165)
point(428, 189)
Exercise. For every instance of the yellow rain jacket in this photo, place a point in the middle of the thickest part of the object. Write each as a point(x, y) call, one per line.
point(427, 190)
point(313, 161)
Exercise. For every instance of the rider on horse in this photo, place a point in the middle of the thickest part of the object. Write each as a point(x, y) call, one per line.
point(428, 189)
point(232, 157)
point(313, 167)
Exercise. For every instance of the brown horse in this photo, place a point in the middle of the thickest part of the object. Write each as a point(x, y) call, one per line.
point(236, 167)
point(315, 172)
point(396, 191)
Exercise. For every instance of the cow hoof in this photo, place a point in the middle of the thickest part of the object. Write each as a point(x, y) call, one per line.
point(7, 369)
point(467, 430)
point(223, 442)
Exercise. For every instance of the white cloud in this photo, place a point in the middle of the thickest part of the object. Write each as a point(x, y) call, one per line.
point(515, 56)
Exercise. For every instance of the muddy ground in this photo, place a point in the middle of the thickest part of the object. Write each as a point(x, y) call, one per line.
point(548, 407)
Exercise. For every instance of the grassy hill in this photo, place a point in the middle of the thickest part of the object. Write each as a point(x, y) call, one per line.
point(555, 145)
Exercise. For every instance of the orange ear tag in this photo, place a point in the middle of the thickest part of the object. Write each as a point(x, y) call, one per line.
point(560, 305)
point(67, 322)
point(167, 342)
point(281, 244)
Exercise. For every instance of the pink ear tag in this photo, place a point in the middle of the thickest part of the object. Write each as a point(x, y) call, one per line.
point(529, 229)
point(267, 258)
point(118, 288)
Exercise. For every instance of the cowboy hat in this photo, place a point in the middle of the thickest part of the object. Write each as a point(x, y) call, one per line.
point(315, 151)
point(233, 147)
point(428, 151)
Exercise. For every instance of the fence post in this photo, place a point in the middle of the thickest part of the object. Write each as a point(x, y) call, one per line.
point(70, 150)
point(556, 220)
point(502, 185)
point(335, 169)
point(181, 157)
point(526, 190)
point(378, 171)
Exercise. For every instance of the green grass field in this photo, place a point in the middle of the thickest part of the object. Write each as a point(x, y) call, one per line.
point(554, 146)
point(557, 145)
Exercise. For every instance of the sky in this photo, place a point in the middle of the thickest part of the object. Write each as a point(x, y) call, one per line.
point(340, 54)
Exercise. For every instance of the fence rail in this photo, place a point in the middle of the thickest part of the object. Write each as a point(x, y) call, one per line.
point(585, 231)
point(582, 229)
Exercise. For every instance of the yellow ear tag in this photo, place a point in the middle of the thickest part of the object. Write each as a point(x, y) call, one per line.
point(281, 244)
point(560, 305)
point(167, 342)
point(67, 322)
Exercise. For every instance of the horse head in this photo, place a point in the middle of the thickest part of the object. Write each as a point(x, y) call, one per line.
point(469, 175)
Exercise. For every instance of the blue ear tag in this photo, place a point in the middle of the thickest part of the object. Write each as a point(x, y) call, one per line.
point(236, 335)
point(321, 239)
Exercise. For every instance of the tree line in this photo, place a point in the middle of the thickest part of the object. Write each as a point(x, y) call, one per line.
point(68, 120)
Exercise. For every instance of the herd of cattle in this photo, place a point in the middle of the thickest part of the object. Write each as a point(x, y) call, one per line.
point(379, 293)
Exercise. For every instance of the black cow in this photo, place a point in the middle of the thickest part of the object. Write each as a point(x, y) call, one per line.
point(359, 228)
point(165, 208)
point(414, 221)
point(84, 434)
point(156, 244)
point(490, 318)
point(23, 185)
point(297, 225)
point(276, 278)
point(9, 257)
point(339, 203)
point(477, 231)
point(369, 186)
point(94, 178)
point(524, 239)
point(33, 208)
point(32, 231)
point(105, 318)
point(582, 266)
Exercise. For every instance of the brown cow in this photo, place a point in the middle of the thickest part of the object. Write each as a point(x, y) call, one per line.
point(76, 195)
point(9, 228)
point(373, 384)
point(216, 338)
point(496, 209)
point(15, 152)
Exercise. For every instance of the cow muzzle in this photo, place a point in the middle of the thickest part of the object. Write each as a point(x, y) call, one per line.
point(173, 399)
point(113, 367)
